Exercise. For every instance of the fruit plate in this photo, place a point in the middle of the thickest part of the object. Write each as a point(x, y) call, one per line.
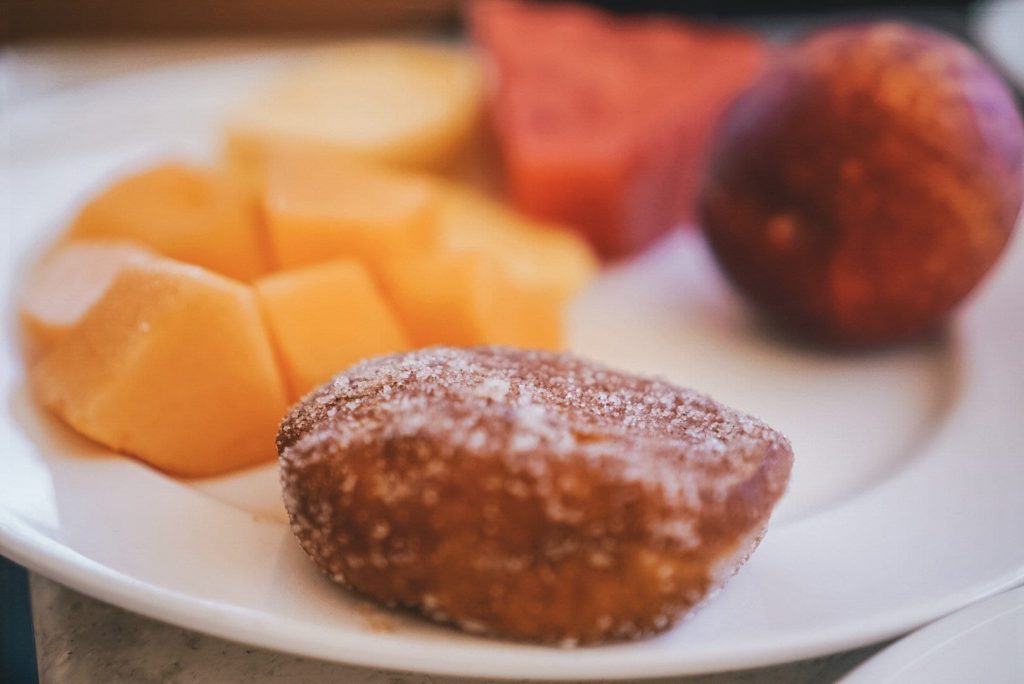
point(905, 502)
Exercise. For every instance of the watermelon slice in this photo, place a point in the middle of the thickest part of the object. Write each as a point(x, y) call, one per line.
point(603, 122)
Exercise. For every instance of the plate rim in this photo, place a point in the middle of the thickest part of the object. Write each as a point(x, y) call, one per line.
point(98, 581)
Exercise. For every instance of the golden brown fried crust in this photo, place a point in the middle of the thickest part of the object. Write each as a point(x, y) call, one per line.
point(527, 494)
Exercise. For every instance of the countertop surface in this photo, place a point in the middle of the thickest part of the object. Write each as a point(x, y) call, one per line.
point(80, 639)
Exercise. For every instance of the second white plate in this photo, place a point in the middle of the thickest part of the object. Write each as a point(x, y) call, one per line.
point(983, 643)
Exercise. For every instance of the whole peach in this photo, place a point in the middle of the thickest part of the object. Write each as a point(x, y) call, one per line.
point(866, 183)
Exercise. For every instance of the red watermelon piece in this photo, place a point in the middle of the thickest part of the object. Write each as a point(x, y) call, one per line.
point(603, 121)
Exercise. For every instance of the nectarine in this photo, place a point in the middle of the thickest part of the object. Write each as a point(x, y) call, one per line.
point(866, 183)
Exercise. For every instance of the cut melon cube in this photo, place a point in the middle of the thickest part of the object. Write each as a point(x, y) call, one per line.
point(318, 209)
point(67, 283)
point(172, 365)
point(542, 255)
point(196, 215)
point(325, 318)
point(408, 104)
point(468, 298)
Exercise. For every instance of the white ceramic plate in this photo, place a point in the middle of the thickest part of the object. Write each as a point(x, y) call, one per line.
point(905, 501)
point(983, 643)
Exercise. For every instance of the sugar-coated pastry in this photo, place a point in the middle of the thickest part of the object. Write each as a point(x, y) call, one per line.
point(527, 494)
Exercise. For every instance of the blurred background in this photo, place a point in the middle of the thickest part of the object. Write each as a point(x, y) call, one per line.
point(105, 31)
point(35, 19)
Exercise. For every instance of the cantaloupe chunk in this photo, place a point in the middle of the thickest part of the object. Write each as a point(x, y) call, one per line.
point(320, 208)
point(468, 298)
point(535, 253)
point(66, 283)
point(325, 318)
point(172, 365)
point(193, 214)
point(410, 104)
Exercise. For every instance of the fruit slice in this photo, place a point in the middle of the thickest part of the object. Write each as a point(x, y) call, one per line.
point(188, 213)
point(67, 283)
point(325, 318)
point(601, 122)
point(320, 208)
point(172, 365)
point(544, 256)
point(469, 298)
point(404, 103)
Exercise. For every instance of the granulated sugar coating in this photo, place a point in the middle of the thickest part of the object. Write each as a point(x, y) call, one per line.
point(527, 494)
